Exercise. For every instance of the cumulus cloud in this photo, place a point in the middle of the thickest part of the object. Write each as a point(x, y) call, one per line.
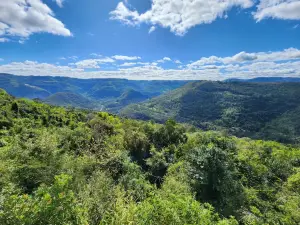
point(35, 68)
point(4, 39)
point(60, 3)
point(178, 15)
point(243, 57)
point(92, 63)
point(263, 69)
point(178, 62)
point(142, 68)
point(135, 73)
point(86, 64)
point(163, 60)
point(131, 64)
point(278, 9)
point(123, 14)
point(22, 18)
point(181, 15)
point(285, 63)
point(127, 64)
point(152, 29)
point(74, 57)
point(125, 58)
point(152, 72)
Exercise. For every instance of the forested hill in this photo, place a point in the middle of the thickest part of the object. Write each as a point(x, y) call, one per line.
point(69, 166)
point(44, 86)
point(258, 110)
point(108, 94)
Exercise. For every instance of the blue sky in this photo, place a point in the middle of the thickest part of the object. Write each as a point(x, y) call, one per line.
point(151, 39)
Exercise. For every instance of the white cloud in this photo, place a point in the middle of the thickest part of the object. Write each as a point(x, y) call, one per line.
point(296, 26)
point(130, 64)
point(60, 3)
point(264, 69)
point(278, 9)
point(127, 64)
point(74, 57)
point(62, 58)
point(152, 29)
point(1, 59)
point(178, 62)
point(163, 60)
point(95, 55)
point(243, 57)
point(35, 68)
point(123, 14)
point(22, 40)
point(86, 64)
point(92, 63)
point(128, 58)
point(151, 72)
point(178, 15)
point(285, 63)
point(21, 18)
point(142, 68)
point(4, 40)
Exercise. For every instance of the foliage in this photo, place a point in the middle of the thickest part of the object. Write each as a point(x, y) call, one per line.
point(49, 205)
point(267, 111)
point(69, 166)
point(212, 165)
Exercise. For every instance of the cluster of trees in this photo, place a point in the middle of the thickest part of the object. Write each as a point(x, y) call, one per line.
point(268, 111)
point(67, 166)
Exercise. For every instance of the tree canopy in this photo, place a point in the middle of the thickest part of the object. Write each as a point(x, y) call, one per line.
point(70, 166)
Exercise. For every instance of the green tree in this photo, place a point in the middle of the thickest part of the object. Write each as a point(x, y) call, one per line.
point(56, 204)
point(214, 176)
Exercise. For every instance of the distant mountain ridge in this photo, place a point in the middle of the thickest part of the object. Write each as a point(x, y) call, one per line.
point(99, 93)
point(70, 99)
point(244, 109)
point(106, 94)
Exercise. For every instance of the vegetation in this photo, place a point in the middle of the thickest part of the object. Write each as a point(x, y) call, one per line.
point(70, 99)
point(108, 94)
point(69, 166)
point(267, 111)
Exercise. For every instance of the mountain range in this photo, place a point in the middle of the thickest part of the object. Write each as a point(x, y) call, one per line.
point(260, 108)
point(108, 94)
point(244, 109)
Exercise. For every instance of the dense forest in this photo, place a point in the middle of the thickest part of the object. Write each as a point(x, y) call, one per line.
point(69, 166)
point(97, 94)
point(269, 111)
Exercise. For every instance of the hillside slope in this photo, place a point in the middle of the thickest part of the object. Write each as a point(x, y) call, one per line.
point(95, 89)
point(22, 89)
point(128, 97)
point(113, 94)
point(70, 99)
point(243, 109)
